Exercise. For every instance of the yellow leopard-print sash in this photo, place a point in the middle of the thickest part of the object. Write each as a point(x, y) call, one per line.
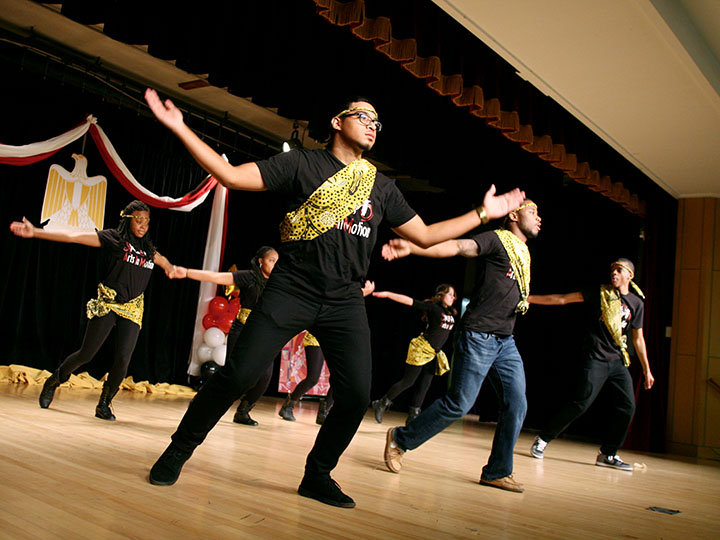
point(611, 309)
point(337, 198)
point(105, 303)
point(519, 256)
point(243, 314)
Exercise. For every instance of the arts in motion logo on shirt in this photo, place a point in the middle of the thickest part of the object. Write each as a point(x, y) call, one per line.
point(353, 225)
point(138, 257)
point(447, 322)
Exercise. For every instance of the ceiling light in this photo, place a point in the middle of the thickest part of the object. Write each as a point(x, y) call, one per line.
point(294, 141)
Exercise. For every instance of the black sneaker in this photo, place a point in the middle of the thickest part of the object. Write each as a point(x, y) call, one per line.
point(326, 490)
point(167, 468)
point(614, 462)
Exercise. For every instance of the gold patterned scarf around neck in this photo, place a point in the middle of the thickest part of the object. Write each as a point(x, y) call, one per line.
point(611, 309)
point(519, 256)
point(335, 199)
point(105, 303)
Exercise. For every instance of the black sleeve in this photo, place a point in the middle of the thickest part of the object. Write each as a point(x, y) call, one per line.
point(242, 278)
point(423, 306)
point(279, 171)
point(109, 238)
point(488, 243)
point(397, 210)
point(638, 313)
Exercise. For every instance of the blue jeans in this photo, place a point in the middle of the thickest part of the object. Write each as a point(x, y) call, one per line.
point(476, 356)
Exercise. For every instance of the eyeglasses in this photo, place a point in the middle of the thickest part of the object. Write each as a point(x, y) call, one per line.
point(366, 120)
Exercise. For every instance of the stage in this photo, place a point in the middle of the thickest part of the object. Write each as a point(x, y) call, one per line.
point(68, 475)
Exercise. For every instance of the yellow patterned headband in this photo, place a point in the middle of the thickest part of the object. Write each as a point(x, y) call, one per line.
point(527, 204)
point(357, 109)
point(130, 216)
point(621, 265)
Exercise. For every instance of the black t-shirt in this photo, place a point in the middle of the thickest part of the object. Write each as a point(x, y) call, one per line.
point(250, 287)
point(440, 321)
point(129, 268)
point(333, 266)
point(599, 343)
point(496, 292)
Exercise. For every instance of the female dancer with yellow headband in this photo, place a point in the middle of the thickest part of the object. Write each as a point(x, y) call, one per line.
point(120, 302)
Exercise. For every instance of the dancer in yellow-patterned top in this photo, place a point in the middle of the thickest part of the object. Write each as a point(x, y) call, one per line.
point(611, 311)
point(335, 201)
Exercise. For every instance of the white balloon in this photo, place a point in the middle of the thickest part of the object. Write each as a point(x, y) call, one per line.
point(214, 337)
point(204, 352)
point(218, 354)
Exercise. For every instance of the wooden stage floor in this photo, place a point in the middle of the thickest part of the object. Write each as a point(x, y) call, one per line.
point(65, 474)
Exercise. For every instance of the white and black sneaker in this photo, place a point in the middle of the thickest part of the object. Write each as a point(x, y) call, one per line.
point(537, 450)
point(614, 462)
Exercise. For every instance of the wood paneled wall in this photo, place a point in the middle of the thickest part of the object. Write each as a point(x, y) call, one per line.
point(694, 386)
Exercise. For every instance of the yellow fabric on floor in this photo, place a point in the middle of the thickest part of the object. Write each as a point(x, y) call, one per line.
point(31, 376)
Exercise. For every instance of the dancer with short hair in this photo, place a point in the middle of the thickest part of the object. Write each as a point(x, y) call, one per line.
point(335, 203)
point(120, 298)
point(484, 344)
point(425, 357)
point(611, 313)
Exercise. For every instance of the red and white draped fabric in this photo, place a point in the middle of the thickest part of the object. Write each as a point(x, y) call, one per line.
point(215, 243)
point(32, 153)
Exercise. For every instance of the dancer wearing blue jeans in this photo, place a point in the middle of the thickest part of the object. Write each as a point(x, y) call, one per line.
point(484, 344)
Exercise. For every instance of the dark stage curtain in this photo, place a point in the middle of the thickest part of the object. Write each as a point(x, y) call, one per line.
point(444, 158)
point(44, 286)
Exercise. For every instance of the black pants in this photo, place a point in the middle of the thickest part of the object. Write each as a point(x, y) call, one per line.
point(344, 335)
point(314, 359)
point(596, 375)
point(426, 373)
point(258, 389)
point(97, 331)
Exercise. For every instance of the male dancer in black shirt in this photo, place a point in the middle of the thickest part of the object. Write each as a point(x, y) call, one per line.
point(612, 311)
point(484, 344)
point(336, 201)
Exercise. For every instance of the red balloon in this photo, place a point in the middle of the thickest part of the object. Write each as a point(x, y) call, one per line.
point(218, 305)
point(234, 306)
point(208, 321)
point(224, 325)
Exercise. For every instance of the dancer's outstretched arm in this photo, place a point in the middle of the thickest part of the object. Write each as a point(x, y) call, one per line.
point(398, 248)
point(493, 206)
point(245, 177)
point(395, 297)
point(25, 229)
point(556, 299)
point(221, 278)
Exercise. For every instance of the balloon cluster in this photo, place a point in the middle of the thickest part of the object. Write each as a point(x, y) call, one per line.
point(217, 322)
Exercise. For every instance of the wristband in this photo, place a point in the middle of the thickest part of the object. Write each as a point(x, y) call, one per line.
point(482, 214)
